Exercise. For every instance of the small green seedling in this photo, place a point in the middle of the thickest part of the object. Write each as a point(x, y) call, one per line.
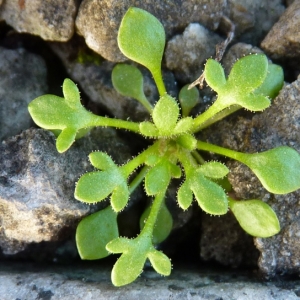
point(175, 152)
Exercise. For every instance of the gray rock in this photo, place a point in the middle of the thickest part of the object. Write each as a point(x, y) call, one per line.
point(37, 185)
point(186, 54)
point(283, 41)
point(222, 240)
point(23, 77)
point(51, 20)
point(94, 78)
point(277, 125)
point(84, 282)
point(98, 21)
point(253, 19)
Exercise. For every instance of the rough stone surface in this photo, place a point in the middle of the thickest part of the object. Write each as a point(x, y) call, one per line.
point(23, 77)
point(186, 54)
point(94, 78)
point(253, 19)
point(222, 240)
point(37, 185)
point(284, 38)
point(276, 126)
point(98, 21)
point(85, 282)
point(51, 20)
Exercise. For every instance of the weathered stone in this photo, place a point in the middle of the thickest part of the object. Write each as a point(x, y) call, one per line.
point(23, 77)
point(94, 79)
point(98, 21)
point(222, 240)
point(37, 185)
point(186, 54)
point(51, 20)
point(253, 19)
point(283, 41)
point(84, 282)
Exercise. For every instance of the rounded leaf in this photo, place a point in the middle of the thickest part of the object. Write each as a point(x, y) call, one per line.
point(213, 169)
point(248, 73)
point(165, 114)
point(95, 186)
point(127, 268)
point(71, 92)
point(210, 196)
point(253, 102)
point(188, 99)
point(65, 139)
point(277, 169)
point(183, 125)
point(187, 141)
point(273, 82)
point(214, 75)
point(141, 38)
point(120, 245)
point(148, 129)
point(160, 262)
point(119, 197)
point(158, 178)
point(184, 196)
point(255, 217)
point(94, 232)
point(101, 160)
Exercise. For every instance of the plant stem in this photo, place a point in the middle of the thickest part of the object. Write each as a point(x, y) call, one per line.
point(139, 160)
point(210, 113)
point(138, 179)
point(220, 150)
point(150, 222)
point(219, 116)
point(117, 123)
point(198, 157)
point(144, 101)
point(157, 76)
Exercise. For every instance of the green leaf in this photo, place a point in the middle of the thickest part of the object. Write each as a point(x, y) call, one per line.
point(163, 224)
point(64, 114)
point(187, 141)
point(165, 114)
point(210, 196)
point(277, 169)
point(65, 139)
point(148, 129)
point(120, 245)
point(141, 38)
point(128, 81)
point(188, 99)
point(185, 196)
point(248, 73)
point(214, 169)
point(253, 102)
point(101, 160)
point(255, 217)
point(96, 186)
point(94, 232)
point(160, 262)
point(183, 125)
point(71, 93)
point(158, 178)
point(273, 82)
point(214, 75)
point(128, 268)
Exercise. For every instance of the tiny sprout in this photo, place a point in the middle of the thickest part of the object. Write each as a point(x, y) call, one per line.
point(175, 152)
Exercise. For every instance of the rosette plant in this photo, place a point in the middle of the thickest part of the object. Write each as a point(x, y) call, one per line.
point(174, 153)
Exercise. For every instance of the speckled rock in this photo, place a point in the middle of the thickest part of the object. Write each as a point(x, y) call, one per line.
point(276, 126)
point(23, 77)
point(186, 54)
point(98, 21)
point(222, 240)
point(253, 19)
point(93, 282)
point(37, 185)
point(93, 75)
point(51, 20)
point(284, 39)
